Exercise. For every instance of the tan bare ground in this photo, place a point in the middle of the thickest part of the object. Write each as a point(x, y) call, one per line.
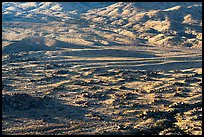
point(109, 90)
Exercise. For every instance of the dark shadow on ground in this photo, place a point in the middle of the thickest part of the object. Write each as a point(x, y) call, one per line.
point(48, 109)
point(165, 66)
point(109, 53)
point(37, 43)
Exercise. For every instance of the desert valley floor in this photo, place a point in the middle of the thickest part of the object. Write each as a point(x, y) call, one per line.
point(140, 90)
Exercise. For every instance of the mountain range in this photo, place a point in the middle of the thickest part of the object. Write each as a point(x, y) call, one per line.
point(106, 23)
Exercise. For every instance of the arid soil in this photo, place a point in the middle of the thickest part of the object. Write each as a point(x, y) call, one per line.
point(137, 90)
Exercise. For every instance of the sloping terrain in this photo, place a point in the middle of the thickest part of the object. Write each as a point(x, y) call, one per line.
point(126, 68)
point(122, 23)
point(160, 23)
point(37, 43)
point(46, 11)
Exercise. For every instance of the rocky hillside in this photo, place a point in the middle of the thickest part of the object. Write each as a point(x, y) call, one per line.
point(105, 23)
point(160, 23)
point(46, 11)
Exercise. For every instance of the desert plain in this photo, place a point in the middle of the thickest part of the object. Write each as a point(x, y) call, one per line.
point(97, 87)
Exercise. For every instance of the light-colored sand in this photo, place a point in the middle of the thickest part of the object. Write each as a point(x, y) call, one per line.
point(136, 90)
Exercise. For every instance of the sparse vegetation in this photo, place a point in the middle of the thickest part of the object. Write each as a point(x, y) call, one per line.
point(125, 68)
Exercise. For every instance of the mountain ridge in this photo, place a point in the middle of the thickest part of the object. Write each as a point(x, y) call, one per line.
point(107, 23)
